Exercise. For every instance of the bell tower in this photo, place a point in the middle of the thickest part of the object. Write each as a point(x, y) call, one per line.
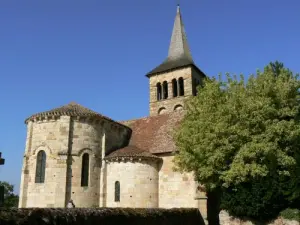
point(176, 77)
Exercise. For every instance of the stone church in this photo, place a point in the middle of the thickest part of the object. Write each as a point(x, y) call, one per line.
point(75, 153)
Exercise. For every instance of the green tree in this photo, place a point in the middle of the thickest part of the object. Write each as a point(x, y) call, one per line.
point(275, 67)
point(236, 132)
point(10, 199)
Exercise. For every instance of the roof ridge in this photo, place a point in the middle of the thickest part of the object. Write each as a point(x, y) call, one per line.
point(72, 109)
point(131, 151)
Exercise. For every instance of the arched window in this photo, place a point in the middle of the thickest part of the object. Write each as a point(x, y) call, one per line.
point(181, 86)
point(178, 108)
point(162, 110)
point(194, 87)
point(40, 167)
point(165, 90)
point(85, 170)
point(174, 88)
point(158, 91)
point(117, 191)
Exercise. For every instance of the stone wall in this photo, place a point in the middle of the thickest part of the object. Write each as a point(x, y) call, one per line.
point(86, 139)
point(51, 136)
point(138, 184)
point(175, 189)
point(64, 141)
point(170, 103)
point(226, 219)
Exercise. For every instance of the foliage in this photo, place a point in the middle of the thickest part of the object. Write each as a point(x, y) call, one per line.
point(109, 216)
point(291, 214)
point(10, 199)
point(261, 199)
point(236, 132)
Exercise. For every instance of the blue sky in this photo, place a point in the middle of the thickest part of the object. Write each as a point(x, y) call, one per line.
point(98, 52)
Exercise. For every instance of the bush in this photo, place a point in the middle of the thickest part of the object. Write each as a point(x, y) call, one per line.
point(291, 214)
point(101, 216)
point(260, 200)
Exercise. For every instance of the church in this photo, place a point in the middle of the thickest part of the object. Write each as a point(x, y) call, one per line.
point(75, 153)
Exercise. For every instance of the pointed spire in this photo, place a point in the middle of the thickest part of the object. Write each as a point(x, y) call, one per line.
point(179, 52)
point(178, 46)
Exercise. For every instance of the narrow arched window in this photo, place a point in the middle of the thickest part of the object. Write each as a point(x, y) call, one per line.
point(174, 88)
point(158, 91)
point(85, 170)
point(117, 191)
point(194, 86)
point(165, 90)
point(181, 86)
point(40, 167)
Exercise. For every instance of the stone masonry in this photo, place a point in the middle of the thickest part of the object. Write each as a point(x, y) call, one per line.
point(170, 104)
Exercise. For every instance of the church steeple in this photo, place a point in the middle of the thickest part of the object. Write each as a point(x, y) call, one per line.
point(177, 77)
point(179, 52)
point(179, 48)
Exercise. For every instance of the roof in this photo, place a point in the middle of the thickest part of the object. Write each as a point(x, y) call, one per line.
point(131, 152)
point(71, 109)
point(155, 134)
point(179, 52)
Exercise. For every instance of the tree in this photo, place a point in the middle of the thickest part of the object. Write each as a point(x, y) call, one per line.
point(10, 199)
point(236, 132)
point(275, 67)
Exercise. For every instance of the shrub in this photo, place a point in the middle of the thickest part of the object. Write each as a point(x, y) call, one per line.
point(100, 216)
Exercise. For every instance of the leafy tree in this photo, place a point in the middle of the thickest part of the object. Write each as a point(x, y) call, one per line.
point(10, 199)
point(275, 67)
point(236, 132)
point(259, 199)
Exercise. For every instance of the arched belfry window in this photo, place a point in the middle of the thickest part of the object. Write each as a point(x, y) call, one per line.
point(158, 91)
point(40, 167)
point(174, 88)
point(194, 86)
point(85, 170)
point(165, 90)
point(117, 191)
point(181, 86)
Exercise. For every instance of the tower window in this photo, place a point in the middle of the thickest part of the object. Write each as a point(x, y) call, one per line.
point(40, 167)
point(194, 87)
point(165, 90)
point(117, 191)
point(162, 110)
point(181, 86)
point(174, 88)
point(158, 91)
point(85, 170)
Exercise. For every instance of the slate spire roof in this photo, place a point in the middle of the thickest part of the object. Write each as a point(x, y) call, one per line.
point(179, 52)
point(179, 47)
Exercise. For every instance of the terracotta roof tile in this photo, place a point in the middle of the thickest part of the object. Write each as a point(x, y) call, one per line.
point(155, 133)
point(71, 109)
point(131, 151)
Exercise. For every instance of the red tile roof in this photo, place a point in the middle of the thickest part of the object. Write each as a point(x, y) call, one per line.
point(131, 151)
point(154, 134)
point(71, 109)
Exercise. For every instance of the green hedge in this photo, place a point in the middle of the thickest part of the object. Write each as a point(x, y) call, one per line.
point(101, 216)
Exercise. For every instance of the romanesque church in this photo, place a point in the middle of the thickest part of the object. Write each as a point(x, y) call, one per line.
point(75, 153)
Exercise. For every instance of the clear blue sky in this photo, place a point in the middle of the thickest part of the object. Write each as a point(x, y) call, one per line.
point(97, 53)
